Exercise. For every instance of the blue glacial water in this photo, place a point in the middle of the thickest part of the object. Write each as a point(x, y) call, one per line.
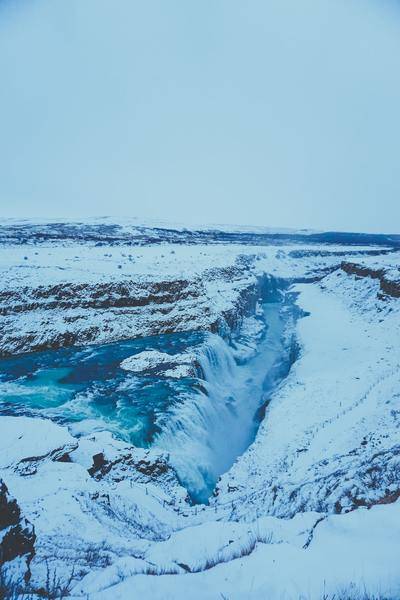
point(80, 384)
point(204, 424)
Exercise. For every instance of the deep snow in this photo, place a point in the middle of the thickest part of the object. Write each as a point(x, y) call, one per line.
point(308, 509)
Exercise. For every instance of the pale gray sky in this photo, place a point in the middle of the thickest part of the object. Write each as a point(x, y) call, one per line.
point(265, 112)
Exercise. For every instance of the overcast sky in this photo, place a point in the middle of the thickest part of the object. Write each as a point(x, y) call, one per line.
point(266, 112)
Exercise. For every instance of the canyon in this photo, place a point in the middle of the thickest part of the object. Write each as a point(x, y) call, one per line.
point(178, 405)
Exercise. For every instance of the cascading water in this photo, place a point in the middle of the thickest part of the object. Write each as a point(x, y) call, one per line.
point(204, 422)
point(205, 434)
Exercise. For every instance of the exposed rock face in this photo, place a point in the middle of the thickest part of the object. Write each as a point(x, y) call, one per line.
point(37, 317)
point(137, 465)
point(66, 284)
point(388, 285)
point(329, 441)
point(101, 296)
point(109, 500)
point(17, 537)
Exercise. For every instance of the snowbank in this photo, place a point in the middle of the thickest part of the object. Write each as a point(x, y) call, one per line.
point(161, 364)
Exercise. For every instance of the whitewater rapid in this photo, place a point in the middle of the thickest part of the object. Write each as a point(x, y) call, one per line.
point(204, 419)
point(211, 428)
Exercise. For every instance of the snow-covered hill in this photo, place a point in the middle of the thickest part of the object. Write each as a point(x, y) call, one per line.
point(309, 507)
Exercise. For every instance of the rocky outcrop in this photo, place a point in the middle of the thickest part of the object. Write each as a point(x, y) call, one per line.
point(67, 284)
point(40, 317)
point(17, 538)
point(141, 466)
point(50, 317)
point(108, 295)
point(388, 286)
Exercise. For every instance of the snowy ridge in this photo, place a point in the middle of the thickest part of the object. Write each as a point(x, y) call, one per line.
point(340, 400)
point(55, 296)
point(311, 504)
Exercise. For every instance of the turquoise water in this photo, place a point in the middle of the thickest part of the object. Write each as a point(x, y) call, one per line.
point(204, 424)
point(80, 384)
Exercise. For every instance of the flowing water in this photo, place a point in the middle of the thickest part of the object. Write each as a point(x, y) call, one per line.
point(204, 423)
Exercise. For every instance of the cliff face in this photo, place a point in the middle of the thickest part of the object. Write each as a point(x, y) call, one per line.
point(388, 285)
point(112, 514)
point(36, 316)
point(17, 539)
point(65, 284)
point(75, 294)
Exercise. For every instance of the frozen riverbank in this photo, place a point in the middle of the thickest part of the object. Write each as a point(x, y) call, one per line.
point(307, 508)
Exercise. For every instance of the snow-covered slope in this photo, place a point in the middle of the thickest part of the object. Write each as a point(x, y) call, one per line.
point(308, 510)
point(53, 296)
point(330, 440)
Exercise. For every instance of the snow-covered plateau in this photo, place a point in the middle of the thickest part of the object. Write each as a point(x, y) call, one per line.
point(210, 413)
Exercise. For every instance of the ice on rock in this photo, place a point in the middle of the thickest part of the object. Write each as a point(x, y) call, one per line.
point(310, 505)
point(161, 364)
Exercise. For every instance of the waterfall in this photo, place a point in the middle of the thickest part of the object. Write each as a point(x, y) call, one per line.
point(204, 419)
point(211, 427)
